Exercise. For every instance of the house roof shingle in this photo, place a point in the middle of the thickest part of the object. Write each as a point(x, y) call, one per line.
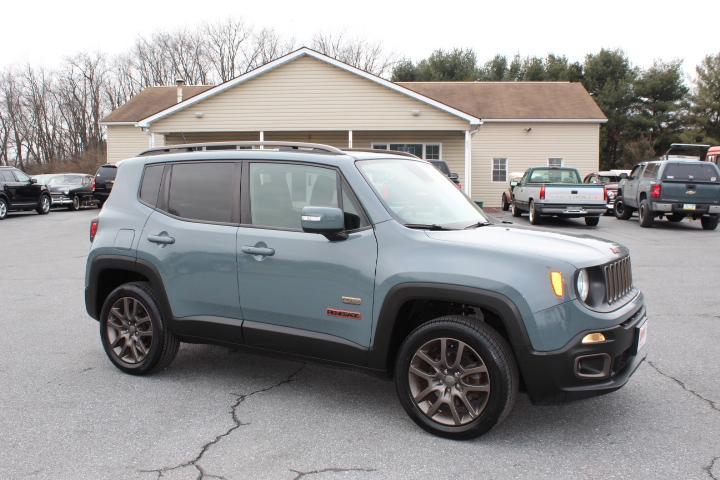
point(151, 101)
point(513, 100)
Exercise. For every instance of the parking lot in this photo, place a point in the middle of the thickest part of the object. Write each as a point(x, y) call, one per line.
point(66, 412)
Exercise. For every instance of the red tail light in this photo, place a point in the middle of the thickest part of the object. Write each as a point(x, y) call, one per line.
point(94, 224)
point(542, 192)
point(656, 190)
point(93, 184)
point(605, 195)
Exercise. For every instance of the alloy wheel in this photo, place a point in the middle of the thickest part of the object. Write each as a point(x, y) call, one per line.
point(45, 204)
point(129, 330)
point(3, 209)
point(449, 381)
point(76, 203)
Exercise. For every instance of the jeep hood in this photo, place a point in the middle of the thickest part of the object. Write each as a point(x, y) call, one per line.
point(578, 250)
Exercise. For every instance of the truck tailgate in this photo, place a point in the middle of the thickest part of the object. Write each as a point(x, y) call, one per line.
point(575, 194)
point(687, 192)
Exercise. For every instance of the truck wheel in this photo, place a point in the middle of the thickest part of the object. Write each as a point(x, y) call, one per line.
point(646, 215)
point(622, 211)
point(455, 377)
point(75, 205)
point(134, 334)
point(592, 221)
point(505, 203)
point(709, 223)
point(675, 218)
point(43, 207)
point(3, 209)
point(535, 219)
point(515, 210)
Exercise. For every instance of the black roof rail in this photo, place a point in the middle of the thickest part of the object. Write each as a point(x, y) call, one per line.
point(381, 150)
point(280, 146)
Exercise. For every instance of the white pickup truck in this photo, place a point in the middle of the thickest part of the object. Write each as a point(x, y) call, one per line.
point(559, 192)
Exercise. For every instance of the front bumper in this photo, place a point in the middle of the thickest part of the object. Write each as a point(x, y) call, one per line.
point(60, 199)
point(562, 375)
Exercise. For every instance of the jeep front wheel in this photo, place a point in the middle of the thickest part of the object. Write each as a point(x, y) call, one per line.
point(134, 334)
point(456, 377)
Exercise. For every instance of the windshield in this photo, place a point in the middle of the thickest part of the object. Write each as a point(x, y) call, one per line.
point(66, 180)
point(555, 175)
point(609, 179)
point(692, 172)
point(418, 194)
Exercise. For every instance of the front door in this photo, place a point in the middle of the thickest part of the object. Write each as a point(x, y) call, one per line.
point(25, 191)
point(297, 285)
point(191, 237)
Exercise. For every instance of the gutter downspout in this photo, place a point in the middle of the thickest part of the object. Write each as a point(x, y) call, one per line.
point(468, 159)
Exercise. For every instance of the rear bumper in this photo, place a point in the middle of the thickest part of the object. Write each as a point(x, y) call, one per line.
point(679, 208)
point(563, 375)
point(563, 210)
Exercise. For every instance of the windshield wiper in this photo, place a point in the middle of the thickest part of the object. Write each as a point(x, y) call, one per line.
point(426, 226)
point(477, 224)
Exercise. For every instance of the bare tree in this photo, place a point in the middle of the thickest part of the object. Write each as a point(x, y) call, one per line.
point(359, 53)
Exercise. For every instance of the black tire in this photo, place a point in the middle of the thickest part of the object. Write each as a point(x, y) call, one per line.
point(164, 344)
point(645, 213)
point(75, 205)
point(505, 203)
point(709, 223)
point(43, 207)
point(3, 208)
point(515, 210)
point(622, 211)
point(535, 218)
point(675, 218)
point(592, 221)
point(496, 354)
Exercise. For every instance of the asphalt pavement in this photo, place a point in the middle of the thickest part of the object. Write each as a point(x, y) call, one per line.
point(67, 413)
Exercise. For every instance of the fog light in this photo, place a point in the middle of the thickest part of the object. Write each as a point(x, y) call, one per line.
point(596, 337)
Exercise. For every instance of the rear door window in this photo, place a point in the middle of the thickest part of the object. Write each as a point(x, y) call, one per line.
point(691, 172)
point(651, 170)
point(205, 191)
point(6, 176)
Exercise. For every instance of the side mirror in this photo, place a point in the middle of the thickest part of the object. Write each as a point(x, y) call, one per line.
point(454, 176)
point(33, 180)
point(623, 176)
point(326, 221)
point(514, 183)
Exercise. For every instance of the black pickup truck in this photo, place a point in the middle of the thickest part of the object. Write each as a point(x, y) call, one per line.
point(674, 189)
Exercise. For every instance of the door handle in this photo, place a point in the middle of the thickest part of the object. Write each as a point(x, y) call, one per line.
point(162, 238)
point(258, 251)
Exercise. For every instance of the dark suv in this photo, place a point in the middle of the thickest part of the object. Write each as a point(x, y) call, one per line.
point(104, 181)
point(20, 192)
point(373, 260)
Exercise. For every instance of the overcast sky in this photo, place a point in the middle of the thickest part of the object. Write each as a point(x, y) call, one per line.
point(43, 32)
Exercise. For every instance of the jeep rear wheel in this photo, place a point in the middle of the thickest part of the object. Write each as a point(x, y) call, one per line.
point(456, 377)
point(134, 334)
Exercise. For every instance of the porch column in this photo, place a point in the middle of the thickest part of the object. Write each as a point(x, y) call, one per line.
point(262, 138)
point(468, 163)
point(350, 139)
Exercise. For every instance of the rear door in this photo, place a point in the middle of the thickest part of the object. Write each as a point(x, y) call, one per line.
point(190, 238)
point(630, 187)
point(26, 192)
point(10, 185)
point(304, 286)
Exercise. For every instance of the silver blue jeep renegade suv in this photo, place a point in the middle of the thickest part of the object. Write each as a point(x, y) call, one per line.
point(369, 259)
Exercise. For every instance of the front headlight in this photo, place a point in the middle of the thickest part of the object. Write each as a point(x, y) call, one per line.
point(583, 285)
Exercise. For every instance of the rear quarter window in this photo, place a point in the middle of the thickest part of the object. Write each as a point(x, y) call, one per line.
point(150, 186)
point(691, 172)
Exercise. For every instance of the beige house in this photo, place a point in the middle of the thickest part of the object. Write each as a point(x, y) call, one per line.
point(483, 130)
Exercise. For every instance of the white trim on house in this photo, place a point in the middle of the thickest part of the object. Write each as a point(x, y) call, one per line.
point(290, 57)
point(424, 145)
point(116, 123)
point(544, 120)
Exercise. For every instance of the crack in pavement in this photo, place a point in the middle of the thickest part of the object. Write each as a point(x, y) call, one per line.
point(239, 399)
point(710, 467)
point(713, 404)
point(329, 470)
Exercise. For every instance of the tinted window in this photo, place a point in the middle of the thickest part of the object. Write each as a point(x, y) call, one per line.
point(151, 184)
point(21, 177)
point(442, 166)
point(107, 172)
point(697, 172)
point(278, 192)
point(203, 191)
point(650, 171)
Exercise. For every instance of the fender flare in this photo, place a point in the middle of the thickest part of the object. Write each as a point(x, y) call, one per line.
point(503, 307)
point(102, 263)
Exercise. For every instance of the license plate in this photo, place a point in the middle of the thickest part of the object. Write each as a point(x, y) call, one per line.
point(642, 336)
point(688, 206)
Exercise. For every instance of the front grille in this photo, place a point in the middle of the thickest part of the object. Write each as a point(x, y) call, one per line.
point(618, 279)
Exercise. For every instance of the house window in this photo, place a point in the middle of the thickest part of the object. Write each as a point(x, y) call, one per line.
point(555, 162)
point(427, 151)
point(499, 169)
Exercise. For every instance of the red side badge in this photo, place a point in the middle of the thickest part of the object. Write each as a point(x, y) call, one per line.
point(334, 312)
